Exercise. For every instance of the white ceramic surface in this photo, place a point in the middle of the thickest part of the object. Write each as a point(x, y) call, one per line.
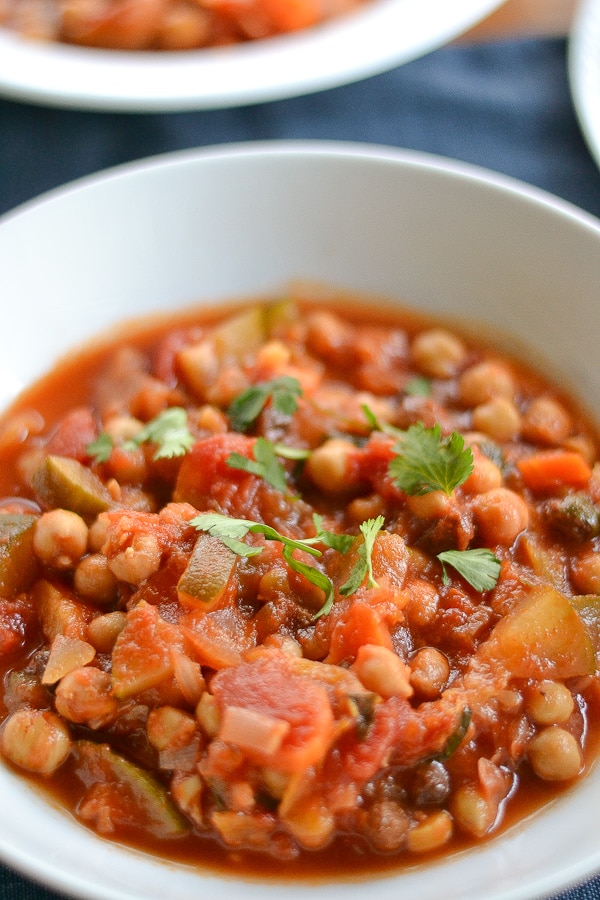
point(584, 72)
point(377, 36)
point(242, 220)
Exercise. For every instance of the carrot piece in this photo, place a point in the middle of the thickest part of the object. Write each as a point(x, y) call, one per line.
point(549, 469)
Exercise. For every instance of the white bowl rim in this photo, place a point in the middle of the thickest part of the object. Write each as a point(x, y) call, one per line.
point(374, 37)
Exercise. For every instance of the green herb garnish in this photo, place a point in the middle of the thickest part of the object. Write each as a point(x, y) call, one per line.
point(101, 448)
point(247, 406)
point(426, 461)
point(169, 431)
point(419, 386)
point(364, 565)
point(265, 464)
point(478, 566)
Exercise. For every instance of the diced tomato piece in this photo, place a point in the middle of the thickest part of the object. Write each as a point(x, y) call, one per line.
point(207, 482)
point(142, 657)
point(268, 686)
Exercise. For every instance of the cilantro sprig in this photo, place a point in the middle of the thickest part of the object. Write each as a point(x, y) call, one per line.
point(168, 430)
point(427, 461)
point(479, 567)
point(283, 392)
point(364, 565)
point(232, 531)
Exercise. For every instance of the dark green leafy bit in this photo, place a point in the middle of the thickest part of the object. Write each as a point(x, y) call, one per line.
point(283, 392)
point(100, 449)
point(478, 566)
point(457, 736)
point(364, 566)
point(265, 464)
point(363, 708)
point(427, 461)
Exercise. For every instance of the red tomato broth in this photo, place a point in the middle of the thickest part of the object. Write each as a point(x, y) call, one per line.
point(263, 602)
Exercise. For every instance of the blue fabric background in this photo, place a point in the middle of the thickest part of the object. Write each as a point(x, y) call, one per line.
point(504, 105)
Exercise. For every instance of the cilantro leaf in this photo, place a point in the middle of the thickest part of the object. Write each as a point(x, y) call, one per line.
point(169, 431)
point(426, 461)
point(101, 448)
point(364, 566)
point(247, 406)
point(478, 566)
point(265, 464)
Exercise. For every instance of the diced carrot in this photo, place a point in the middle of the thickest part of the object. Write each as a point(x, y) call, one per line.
point(550, 469)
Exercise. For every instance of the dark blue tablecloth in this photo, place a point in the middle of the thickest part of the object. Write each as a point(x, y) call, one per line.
point(505, 106)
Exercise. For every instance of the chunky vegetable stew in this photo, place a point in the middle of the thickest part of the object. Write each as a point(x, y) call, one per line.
point(164, 24)
point(297, 578)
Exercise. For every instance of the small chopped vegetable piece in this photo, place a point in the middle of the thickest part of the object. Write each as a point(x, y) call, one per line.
point(547, 470)
point(142, 654)
point(17, 561)
point(208, 573)
point(131, 797)
point(66, 654)
point(59, 611)
point(64, 482)
point(542, 637)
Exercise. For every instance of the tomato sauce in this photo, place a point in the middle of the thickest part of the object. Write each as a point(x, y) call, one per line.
point(297, 592)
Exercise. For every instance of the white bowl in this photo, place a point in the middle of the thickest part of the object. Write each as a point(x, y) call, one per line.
point(377, 36)
point(243, 220)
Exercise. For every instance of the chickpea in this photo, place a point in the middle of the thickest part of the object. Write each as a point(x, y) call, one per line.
point(500, 515)
point(35, 740)
point(94, 580)
point(485, 476)
point(585, 574)
point(546, 421)
point(138, 561)
point(60, 538)
point(104, 630)
point(85, 696)
point(328, 466)
point(430, 671)
point(382, 671)
point(550, 703)
point(169, 728)
point(122, 428)
point(432, 505)
point(554, 754)
point(473, 813)
point(98, 533)
point(499, 418)
point(437, 353)
point(433, 832)
point(484, 381)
